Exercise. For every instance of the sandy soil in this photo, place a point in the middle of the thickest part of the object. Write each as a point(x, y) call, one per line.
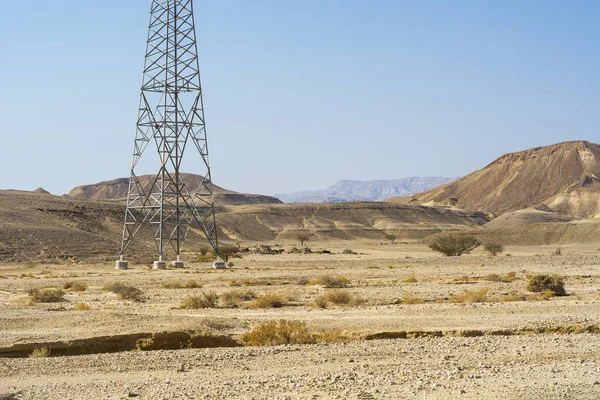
point(515, 353)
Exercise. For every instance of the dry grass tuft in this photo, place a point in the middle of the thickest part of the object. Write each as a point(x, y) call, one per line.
point(204, 300)
point(47, 295)
point(339, 297)
point(275, 333)
point(76, 286)
point(125, 292)
point(82, 307)
point(41, 352)
point(410, 298)
point(23, 302)
point(190, 284)
point(513, 297)
point(328, 281)
point(470, 296)
point(269, 300)
point(411, 279)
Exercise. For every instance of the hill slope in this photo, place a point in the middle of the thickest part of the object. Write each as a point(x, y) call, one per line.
point(378, 190)
point(117, 190)
point(42, 227)
point(562, 178)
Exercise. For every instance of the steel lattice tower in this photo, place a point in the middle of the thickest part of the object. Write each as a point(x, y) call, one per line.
point(171, 115)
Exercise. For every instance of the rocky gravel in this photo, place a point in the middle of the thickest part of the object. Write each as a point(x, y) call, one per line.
point(530, 367)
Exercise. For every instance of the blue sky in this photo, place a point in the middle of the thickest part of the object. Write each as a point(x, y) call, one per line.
point(301, 94)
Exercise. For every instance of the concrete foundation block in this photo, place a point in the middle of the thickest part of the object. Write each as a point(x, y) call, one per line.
point(121, 265)
point(160, 265)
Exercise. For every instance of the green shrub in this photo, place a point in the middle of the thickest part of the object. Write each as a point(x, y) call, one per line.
point(47, 295)
point(494, 248)
point(228, 251)
point(543, 283)
point(125, 292)
point(204, 300)
point(454, 245)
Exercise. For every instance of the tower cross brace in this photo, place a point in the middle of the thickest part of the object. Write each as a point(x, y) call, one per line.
point(171, 117)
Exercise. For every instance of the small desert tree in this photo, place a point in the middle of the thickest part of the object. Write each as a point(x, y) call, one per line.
point(454, 245)
point(303, 237)
point(229, 251)
point(494, 248)
point(391, 237)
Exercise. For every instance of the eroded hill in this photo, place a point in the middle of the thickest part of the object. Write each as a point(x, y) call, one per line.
point(561, 178)
point(116, 189)
point(36, 227)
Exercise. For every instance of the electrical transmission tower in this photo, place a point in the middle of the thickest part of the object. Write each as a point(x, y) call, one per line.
point(171, 117)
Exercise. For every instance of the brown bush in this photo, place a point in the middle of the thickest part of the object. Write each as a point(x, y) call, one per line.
point(204, 300)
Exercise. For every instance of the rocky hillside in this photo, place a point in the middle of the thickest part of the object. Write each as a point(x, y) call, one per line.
point(379, 190)
point(117, 190)
point(561, 178)
point(42, 227)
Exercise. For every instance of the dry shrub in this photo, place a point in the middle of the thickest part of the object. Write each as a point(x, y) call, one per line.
point(82, 307)
point(204, 250)
point(470, 296)
point(205, 258)
point(235, 283)
point(302, 281)
point(125, 292)
point(319, 302)
point(339, 297)
point(331, 281)
point(236, 298)
point(22, 302)
point(204, 300)
point(40, 352)
point(276, 333)
point(513, 297)
point(409, 298)
point(348, 251)
point(546, 283)
point(47, 295)
point(269, 300)
point(191, 284)
point(76, 286)
point(411, 279)
point(462, 279)
point(511, 276)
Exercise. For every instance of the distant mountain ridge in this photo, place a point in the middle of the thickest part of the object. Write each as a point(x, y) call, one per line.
point(377, 190)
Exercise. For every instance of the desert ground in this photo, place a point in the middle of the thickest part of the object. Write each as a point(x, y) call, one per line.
point(401, 322)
